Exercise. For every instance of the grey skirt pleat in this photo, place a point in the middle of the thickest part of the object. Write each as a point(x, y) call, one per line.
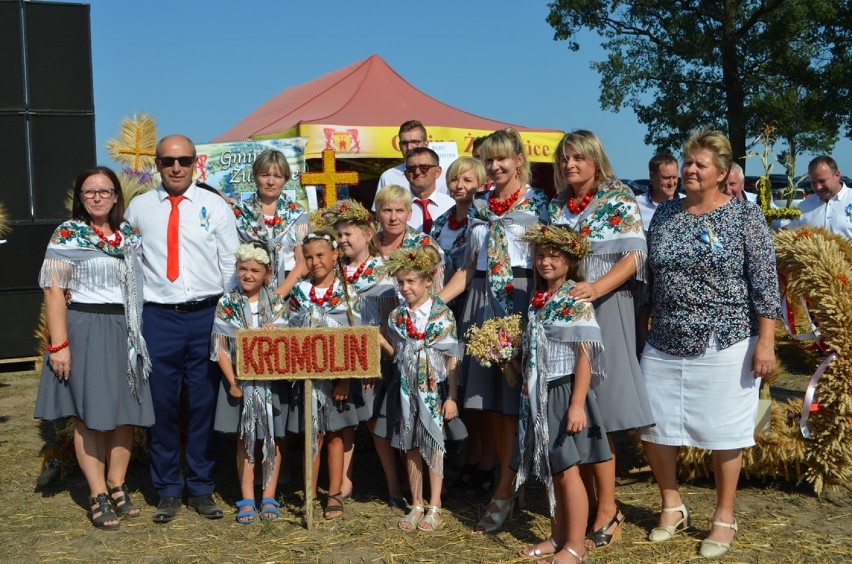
point(229, 410)
point(343, 414)
point(621, 397)
point(97, 391)
point(485, 387)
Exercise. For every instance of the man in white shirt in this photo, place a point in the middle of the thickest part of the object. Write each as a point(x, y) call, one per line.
point(422, 169)
point(188, 241)
point(830, 206)
point(662, 169)
point(735, 184)
point(412, 134)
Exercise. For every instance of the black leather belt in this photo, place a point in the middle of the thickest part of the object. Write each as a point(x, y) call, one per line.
point(105, 309)
point(559, 381)
point(188, 307)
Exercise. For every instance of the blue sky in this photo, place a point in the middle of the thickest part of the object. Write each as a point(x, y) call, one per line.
point(199, 67)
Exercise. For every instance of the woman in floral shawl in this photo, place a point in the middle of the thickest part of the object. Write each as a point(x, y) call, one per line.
point(560, 424)
point(97, 365)
point(423, 336)
point(256, 410)
point(592, 202)
point(271, 218)
point(499, 265)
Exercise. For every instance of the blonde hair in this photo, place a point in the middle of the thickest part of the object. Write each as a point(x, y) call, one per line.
point(587, 144)
point(464, 164)
point(716, 143)
point(506, 143)
point(391, 193)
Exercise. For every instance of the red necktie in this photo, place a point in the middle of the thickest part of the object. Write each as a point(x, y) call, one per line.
point(173, 240)
point(427, 217)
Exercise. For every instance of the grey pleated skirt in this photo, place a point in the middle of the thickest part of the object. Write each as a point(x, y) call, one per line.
point(229, 410)
point(589, 446)
point(485, 388)
point(97, 391)
point(622, 398)
point(342, 413)
point(454, 429)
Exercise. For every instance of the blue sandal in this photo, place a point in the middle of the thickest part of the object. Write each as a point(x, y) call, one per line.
point(269, 505)
point(246, 512)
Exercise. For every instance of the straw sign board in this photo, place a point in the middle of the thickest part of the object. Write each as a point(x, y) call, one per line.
point(304, 353)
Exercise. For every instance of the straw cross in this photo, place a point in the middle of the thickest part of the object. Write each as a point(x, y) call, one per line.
point(329, 178)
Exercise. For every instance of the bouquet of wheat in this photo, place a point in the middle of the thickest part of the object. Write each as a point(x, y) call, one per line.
point(496, 343)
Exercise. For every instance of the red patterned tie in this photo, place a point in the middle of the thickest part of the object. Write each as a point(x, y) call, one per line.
point(427, 217)
point(173, 240)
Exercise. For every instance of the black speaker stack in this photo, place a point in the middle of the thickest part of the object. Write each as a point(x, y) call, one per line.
point(47, 136)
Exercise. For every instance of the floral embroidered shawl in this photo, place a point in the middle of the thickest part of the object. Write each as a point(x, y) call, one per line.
point(333, 313)
point(233, 313)
point(70, 264)
point(423, 365)
point(290, 228)
point(455, 255)
point(377, 293)
point(499, 229)
point(555, 335)
point(612, 225)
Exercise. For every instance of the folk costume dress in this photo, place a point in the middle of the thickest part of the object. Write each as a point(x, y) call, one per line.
point(328, 415)
point(453, 243)
point(612, 225)
point(261, 414)
point(423, 369)
point(500, 287)
point(377, 297)
point(108, 382)
point(554, 337)
point(280, 234)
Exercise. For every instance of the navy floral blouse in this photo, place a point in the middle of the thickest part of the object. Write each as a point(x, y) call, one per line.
point(710, 273)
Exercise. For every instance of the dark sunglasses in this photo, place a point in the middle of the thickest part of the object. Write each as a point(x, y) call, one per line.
point(170, 161)
point(423, 168)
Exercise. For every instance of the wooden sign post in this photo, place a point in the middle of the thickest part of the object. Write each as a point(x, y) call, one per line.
point(307, 354)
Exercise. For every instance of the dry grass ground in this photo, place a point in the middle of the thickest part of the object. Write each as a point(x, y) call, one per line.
point(779, 522)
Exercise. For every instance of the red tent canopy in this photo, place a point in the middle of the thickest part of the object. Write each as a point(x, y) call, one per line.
point(357, 111)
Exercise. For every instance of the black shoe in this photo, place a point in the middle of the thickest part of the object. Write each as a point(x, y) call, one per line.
point(205, 506)
point(167, 509)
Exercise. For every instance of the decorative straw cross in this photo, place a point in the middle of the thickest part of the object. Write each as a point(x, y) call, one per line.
point(329, 178)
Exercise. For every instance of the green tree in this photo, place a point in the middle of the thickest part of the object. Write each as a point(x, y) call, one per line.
point(731, 64)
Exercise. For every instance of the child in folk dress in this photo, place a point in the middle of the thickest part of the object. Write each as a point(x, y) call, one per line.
point(424, 345)
point(254, 409)
point(325, 299)
point(560, 424)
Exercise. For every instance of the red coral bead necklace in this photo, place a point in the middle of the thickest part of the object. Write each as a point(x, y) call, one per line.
point(576, 208)
point(541, 298)
point(105, 239)
point(325, 298)
point(502, 206)
point(412, 332)
point(358, 272)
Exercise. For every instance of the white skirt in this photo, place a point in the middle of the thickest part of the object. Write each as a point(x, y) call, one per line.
point(707, 401)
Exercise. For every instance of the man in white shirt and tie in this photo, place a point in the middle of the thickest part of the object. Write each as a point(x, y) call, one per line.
point(188, 241)
point(422, 169)
point(412, 134)
point(830, 206)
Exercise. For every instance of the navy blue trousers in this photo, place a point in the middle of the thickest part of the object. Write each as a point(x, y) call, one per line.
point(179, 344)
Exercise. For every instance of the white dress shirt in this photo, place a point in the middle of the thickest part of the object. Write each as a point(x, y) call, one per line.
point(208, 239)
point(835, 215)
point(647, 207)
point(420, 316)
point(438, 204)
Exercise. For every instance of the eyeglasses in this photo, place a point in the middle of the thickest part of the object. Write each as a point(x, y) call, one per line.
point(170, 161)
point(413, 142)
point(423, 168)
point(89, 193)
